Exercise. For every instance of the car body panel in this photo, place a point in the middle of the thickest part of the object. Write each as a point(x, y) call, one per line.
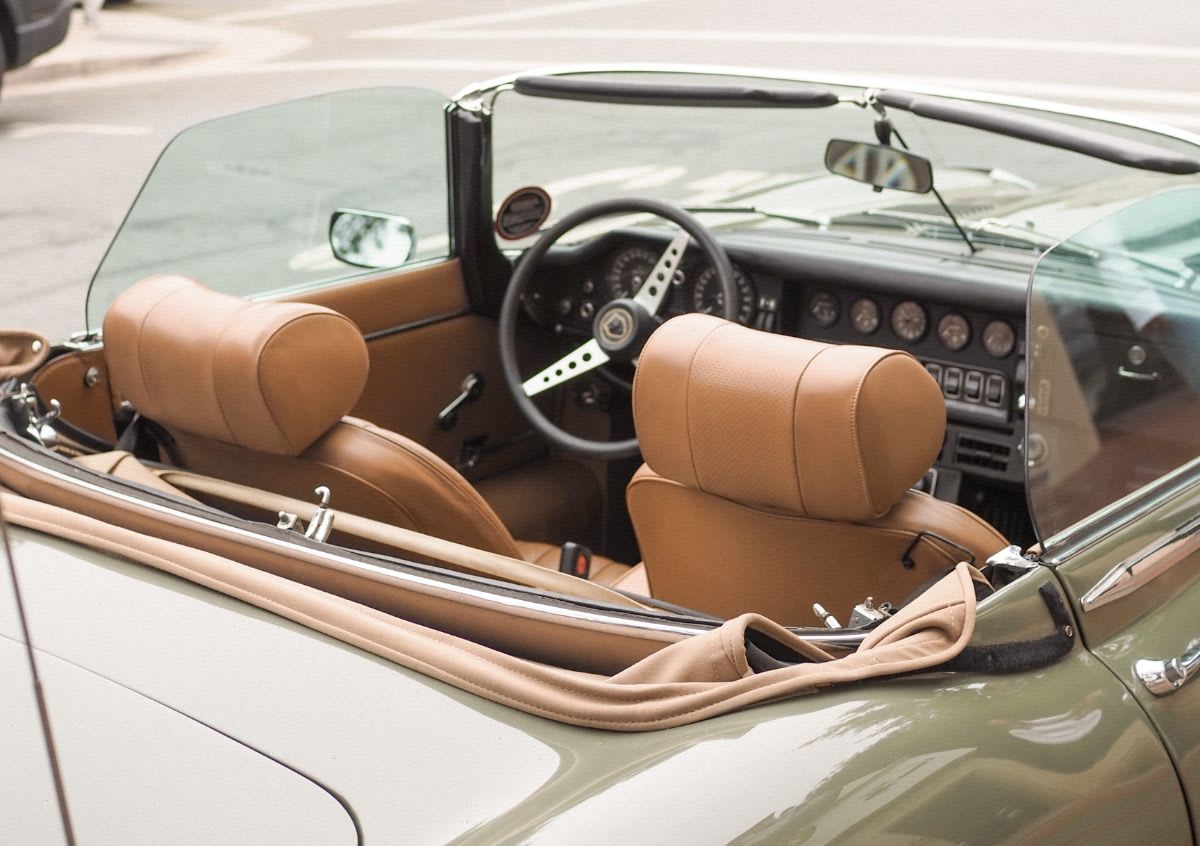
point(26, 792)
point(423, 762)
point(1155, 621)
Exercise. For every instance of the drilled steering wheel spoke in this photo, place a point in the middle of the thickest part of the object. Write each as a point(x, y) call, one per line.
point(658, 282)
point(587, 357)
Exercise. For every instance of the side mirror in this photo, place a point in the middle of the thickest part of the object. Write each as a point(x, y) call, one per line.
point(371, 239)
point(879, 165)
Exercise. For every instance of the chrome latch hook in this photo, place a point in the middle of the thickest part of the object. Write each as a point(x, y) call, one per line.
point(321, 524)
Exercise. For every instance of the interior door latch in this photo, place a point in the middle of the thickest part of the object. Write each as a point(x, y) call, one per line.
point(469, 391)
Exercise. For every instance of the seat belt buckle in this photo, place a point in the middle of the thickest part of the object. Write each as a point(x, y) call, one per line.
point(575, 559)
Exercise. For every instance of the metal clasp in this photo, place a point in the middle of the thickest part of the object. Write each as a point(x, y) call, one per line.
point(37, 424)
point(321, 524)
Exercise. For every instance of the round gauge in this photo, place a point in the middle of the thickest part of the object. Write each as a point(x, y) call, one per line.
point(864, 316)
point(909, 321)
point(708, 297)
point(954, 332)
point(999, 339)
point(627, 271)
point(824, 308)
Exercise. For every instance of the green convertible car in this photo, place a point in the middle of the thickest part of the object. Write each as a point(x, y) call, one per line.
point(618, 456)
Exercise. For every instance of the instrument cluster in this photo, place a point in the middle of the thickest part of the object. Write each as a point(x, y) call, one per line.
point(620, 274)
point(910, 322)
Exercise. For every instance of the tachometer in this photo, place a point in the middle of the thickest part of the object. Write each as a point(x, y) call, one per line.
point(627, 271)
point(909, 321)
point(708, 297)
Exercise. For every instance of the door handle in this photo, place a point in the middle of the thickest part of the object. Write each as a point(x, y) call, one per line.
point(1136, 375)
point(1167, 676)
point(469, 391)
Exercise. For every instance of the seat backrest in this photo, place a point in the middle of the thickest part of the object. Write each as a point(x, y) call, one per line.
point(778, 473)
point(257, 393)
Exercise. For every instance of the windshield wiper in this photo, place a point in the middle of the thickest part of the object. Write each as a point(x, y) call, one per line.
point(821, 221)
point(987, 226)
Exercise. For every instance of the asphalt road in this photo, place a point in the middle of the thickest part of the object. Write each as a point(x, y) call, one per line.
point(80, 128)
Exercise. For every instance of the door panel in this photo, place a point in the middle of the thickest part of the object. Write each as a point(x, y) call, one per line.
point(396, 300)
point(422, 343)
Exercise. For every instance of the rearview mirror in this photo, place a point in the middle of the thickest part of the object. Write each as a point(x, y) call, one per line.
point(879, 165)
point(371, 239)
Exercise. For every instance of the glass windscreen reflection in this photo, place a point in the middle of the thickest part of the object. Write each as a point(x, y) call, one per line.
point(1113, 395)
point(243, 203)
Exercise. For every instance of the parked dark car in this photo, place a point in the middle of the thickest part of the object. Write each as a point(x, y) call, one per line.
point(29, 28)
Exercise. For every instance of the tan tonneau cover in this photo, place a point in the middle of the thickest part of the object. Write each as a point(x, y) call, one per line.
point(682, 682)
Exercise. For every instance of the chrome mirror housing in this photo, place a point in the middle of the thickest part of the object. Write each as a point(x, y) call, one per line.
point(371, 239)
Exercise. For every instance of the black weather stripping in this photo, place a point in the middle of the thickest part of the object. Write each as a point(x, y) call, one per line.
point(675, 94)
point(1089, 142)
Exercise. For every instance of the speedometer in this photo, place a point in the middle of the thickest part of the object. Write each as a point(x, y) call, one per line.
point(627, 272)
point(708, 297)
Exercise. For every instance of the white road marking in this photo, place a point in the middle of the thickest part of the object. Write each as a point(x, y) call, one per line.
point(885, 39)
point(615, 176)
point(655, 179)
point(304, 7)
point(40, 130)
point(452, 25)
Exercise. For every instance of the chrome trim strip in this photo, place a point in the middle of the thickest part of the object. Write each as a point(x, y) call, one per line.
point(414, 324)
point(1160, 555)
point(1118, 515)
point(372, 571)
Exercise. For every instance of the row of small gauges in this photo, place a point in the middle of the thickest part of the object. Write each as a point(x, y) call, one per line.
point(910, 322)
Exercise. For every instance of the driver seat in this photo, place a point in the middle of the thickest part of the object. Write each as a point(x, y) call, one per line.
point(257, 393)
point(778, 474)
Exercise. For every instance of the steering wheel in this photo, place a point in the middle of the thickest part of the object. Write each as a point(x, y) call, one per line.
point(620, 328)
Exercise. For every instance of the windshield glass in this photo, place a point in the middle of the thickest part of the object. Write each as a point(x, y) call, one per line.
point(1114, 359)
point(243, 203)
point(773, 159)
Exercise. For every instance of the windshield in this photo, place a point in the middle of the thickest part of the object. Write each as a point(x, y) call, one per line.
point(772, 159)
point(1114, 359)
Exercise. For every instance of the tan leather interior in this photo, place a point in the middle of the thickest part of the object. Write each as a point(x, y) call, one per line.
point(21, 352)
point(269, 377)
point(687, 681)
point(79, 381)
point(420, 546)
point(778, 472)
point(422, 341)
point(255, 393)
point(391, 301)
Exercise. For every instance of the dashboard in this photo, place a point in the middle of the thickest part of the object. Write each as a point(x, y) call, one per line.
point(963, 318)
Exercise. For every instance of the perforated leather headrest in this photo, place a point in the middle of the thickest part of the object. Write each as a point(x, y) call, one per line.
point(800, 427)
point(271, 377)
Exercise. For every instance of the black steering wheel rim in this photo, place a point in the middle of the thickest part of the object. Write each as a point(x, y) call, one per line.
point(510, 310)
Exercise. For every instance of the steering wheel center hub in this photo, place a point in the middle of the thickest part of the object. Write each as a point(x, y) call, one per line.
point(621, 328)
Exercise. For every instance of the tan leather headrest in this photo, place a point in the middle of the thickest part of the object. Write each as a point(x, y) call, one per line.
point(271, 377)
point(804, 428)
